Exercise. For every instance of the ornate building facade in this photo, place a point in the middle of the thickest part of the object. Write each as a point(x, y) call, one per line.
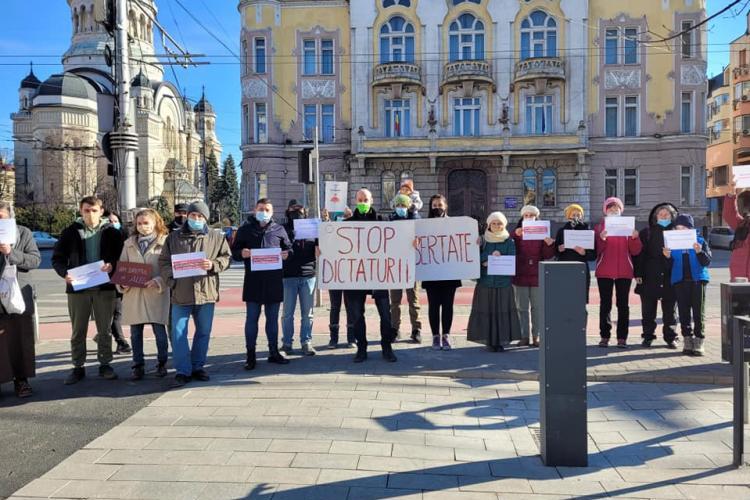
point(61, 122)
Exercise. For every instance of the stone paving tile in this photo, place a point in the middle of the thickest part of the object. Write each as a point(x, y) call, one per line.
point(286, 475)
point(41, 487)
point(618, 489)
point(325, 461)
point(358, 493)
point(165, 457)
point(234, 491)
point(261, 458)
point(71, 470)
point(360, 448)
point(317, 492)
point(458, 495)
point(183, 473)
point(572, 487)
point(194, 443)
point(498, 485)
point(223, 444)
point(300, 445)
point(426, 452)
point(353, 478)
point(702, 492)
point(421, 481)
point(129, 490)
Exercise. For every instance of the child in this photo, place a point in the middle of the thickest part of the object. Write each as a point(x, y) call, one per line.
point(574, 215)
point(689, 279)
point(494, 317)
point(407, 189)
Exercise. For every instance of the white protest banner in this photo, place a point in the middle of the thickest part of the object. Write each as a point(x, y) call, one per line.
point(265, 259)
point(682, 239)
point(335, 193)
point(447, 248)
point(306, 229)
point(741, 176)
point(8, 231)
point(88, 276)
point(502, 265)
point(366, 255)
point(187, 265)
point(535, 230)
point(619, 226)
point(583, 239)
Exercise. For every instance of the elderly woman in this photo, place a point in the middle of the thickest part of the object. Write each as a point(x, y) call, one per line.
point(17, 330)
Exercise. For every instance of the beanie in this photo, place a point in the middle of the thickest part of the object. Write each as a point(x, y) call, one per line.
point(181, 207)
point(530, 209)
point(685, 220)
point(572, 208)
point(200, 207)
point(613, 201)
point(497, 216)
point(402, 200)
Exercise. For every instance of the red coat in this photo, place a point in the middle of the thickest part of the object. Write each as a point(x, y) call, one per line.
point(528, 255)
point(614, 256)
point(739, 261)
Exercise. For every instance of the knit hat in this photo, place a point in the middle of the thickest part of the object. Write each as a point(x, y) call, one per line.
point(200, 207)
point(292, 203)
point(530, 209)
point(613, 201)
point(572, 208)
point(408, 183)
point(181, 207)
point(497, 216)
point(402, 200)
point(685, 220)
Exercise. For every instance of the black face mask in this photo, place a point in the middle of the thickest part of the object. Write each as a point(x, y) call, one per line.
point(295, 215)
point(180, 219)
point(437, 212)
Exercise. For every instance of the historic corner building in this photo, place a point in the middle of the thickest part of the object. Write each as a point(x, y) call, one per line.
point(61, 122)
point(494, 103)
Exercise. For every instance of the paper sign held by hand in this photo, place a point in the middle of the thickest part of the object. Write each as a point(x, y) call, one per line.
point(132, 274)
point(583, 239)
point(306, 229)
point(265, 259)
point(502, 265)
point(8, 231)
point(88, 276)
point(335, 193)
point(741, 176)
point(187, 265)
point(619, 226)
point(534, 230)
point(683, 239)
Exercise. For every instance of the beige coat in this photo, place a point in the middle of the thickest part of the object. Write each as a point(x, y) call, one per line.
point(145, 305)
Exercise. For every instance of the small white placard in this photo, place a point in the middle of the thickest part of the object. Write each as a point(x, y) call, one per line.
point(187, 265)
point(535, 229)
point(583, 239)
point(265, 259)
point(335, 193)
point(619, 226)
point(8, 231)
point(682, 239)
point(741, 176)
point(502, 265)
point(88, 276)
point(306, 229)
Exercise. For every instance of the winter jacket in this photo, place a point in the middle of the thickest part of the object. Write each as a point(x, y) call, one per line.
point(196, 290)
point(528, 255)
point(25, 255)
point(145, 305)
point(570, 255)
point(70, 251)
point(301, 262)
point(262, 287)
point(507, 247)
point(699, 263)
point(739, 261)
point(651, 265)
point(614, 256)
point(370, 216)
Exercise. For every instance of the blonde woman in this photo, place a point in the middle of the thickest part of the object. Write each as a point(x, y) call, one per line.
point(149, 305)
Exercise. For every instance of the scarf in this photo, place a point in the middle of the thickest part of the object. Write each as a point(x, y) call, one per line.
point(491, 237)
point(145, 241)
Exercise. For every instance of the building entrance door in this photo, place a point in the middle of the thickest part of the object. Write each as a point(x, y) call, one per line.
point(467, 193)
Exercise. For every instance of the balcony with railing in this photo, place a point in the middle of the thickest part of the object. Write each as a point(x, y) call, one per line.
point(741, 72)
point(551, 68)
point(477, 71)
point(397, 72)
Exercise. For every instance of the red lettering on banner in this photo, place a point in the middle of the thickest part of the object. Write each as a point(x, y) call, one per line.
point(370, 239)
point(389, 233)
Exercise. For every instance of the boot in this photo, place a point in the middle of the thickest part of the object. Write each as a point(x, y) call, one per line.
point(250, 363)
point(361, 353)
point(138, 372)
point(388, 353)
point(698, 349)
point(333, 330)
point(161, 369)
point(274, 356)
point(687, 345)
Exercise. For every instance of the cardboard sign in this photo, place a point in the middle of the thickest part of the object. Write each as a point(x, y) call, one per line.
point(88, 276)
point(336, 197)
point(535, 230)
point(8, 231)
point(187, 265)
point(683, 239)
point(502, 265)
point(306, 229)
point(583, 239)
point(132, 274)
point(366, 255)
point(619, 226)
point(265, 259)
point(447, 249)
point(741, 176)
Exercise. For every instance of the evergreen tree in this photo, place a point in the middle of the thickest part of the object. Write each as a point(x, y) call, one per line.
point(162, 207)
point(229, 193)
point(214, 186)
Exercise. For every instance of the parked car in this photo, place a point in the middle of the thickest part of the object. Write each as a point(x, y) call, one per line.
point(44, 239)
point(720, 237)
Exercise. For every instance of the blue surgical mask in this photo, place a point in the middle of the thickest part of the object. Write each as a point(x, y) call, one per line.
point(664, 222)
point(262, 217)
point(116, 225)
point(196, 225)
point(401, 211)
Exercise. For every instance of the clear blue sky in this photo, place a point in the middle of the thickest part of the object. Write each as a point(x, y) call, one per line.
point(723, 30)
point(39, 31)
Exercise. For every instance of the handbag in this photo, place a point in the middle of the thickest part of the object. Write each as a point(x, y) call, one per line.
point(10, 292)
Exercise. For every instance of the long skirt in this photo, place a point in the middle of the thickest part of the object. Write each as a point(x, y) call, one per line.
point(494, 317)
point(16, 347)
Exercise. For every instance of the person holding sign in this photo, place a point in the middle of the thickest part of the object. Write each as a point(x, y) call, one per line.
point(529, 252)
point(401, 212)
point(91, 238)
point(494, 317)
point(574, 214)
point(299, 281)
point(262, 289)
point(614, 271)
point(17, 354)
point(146, 304)
point(689, 277)
point(737, 216)
point(336, 299)
point(652, 275)
point(195, 295)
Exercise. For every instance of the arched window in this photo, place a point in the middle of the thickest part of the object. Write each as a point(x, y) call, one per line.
point(397, 41)
point(529, 187)
point(388, 188)
point(143, 27)
point(391, 3)
point(456, 2)
point(75, 21)
point(466, 39)
point(549, 188)
point(538, 36)
point(82, 22)
point(244, 57)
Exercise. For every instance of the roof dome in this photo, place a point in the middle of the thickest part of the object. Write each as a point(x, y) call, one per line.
point(67, 85)
point(140, 80)
point(31, 81)
point(203, 106)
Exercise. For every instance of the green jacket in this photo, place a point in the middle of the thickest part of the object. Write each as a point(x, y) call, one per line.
point(505, 248)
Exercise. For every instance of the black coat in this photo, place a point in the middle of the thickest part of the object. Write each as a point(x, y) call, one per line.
point(25, 256)
point(570, 255)
point(651, 265)
point(301, 262)
point(70, 251)
point(262, 287)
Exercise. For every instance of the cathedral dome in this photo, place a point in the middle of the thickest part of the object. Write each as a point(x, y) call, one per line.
point(203, 106)
point(31, 81)
point(67, 85)
point(140, 80)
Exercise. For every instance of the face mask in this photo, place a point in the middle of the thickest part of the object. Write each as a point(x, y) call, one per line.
point(615, 214)
point(116, 225)
point(262, 217)
point(437, 212)
point(664, 222)
point(180, 219)
point(142, 230)
point(294, 215)
point(196, 225)
point(401, 211)
point(575, 221)
point(363, 208)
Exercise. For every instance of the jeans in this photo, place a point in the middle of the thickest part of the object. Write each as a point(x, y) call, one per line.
point(440, 308)
point(649, 304)
point(337, 298)
point(187, 359)
point(527, 296)
point(304, 288)
point(117, 322)
point(691, 301)
point(162, 344)
point(412, 297)
point(80, 307)
point(355, 311)
point(622, 288)
point(272, 325)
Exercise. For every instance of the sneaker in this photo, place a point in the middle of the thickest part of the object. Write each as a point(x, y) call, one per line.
point(179, 381)
point(446, 342)
point(333, 344)
point(687, 345)
point(22, 388)
point(76, 375)
point(138, 373)
point(604, 343)
point(201, 375)
point(287, 349)
point(671, 344)
point(523, 343)
point(622, 343)
point(277, 358)
point(161, 369)
point(698, 349)
point(436, 342)
point(351, 345)
point(308, 349)
point(107, 373)
point(123, 348)
point(416, 337)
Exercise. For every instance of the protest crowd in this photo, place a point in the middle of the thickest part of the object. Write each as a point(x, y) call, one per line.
point(161, 276)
